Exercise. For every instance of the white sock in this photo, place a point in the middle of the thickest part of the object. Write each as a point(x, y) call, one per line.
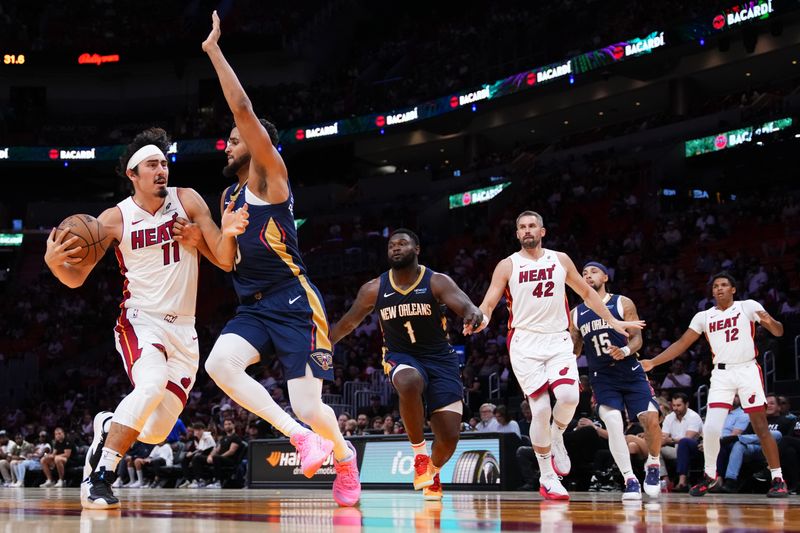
point(776, 473)
point(420, 449)
point(545, 464)
point(140, 475)
point(131, 474)
point(653, 459)
point(109, 459)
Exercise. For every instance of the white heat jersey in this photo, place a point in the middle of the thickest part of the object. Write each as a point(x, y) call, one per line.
point(730, 332)
point(160, 273)
point(536, 295)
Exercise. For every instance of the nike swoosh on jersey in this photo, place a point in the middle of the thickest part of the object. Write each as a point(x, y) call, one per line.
point(136, 222)
point(637, 366)
point(387, 295)
point(584, 312)
point(293, 300)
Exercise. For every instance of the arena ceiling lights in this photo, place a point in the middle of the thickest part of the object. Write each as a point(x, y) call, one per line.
point(732, 17)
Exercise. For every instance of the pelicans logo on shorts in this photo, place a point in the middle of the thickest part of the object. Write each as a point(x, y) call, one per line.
point(323, 359)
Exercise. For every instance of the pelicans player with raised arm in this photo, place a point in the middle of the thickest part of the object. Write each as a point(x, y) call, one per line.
point(534, 282)
point(730, 327)
point(155, 332)
point(281, 310)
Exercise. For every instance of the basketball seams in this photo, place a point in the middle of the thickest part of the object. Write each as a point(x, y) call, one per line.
point(90, 244)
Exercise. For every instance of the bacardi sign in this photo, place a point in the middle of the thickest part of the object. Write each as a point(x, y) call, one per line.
point(649, 43)
point(553, 72)
point(743, 13)
point(474, 96)
point(322, 131)
point(76, 154)
point(400, 118)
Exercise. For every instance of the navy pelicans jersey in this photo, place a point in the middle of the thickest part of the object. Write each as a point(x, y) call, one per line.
point(598, 336)
point(268, 255)
point(411, 320)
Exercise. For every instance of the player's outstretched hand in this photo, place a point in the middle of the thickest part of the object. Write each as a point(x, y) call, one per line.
point(621, 325)
point(647, 365)
point(58, 250)
point(211, 41)
point(475, 325)
point(186, 232)
point(473, 322)
point(234, 222)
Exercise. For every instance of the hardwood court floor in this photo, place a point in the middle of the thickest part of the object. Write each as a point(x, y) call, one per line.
point(36, 510)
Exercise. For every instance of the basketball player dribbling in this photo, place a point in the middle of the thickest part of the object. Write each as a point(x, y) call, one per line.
point(155, 332)
point(730, 327)
point(281, 311)
point(417, 356)
point(534, 282)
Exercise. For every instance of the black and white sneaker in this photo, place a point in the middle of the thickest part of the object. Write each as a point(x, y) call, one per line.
point(99, 493)
point(102, 423)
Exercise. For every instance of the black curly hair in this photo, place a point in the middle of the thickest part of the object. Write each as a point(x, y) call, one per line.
point(155, 136)
point(272, 130)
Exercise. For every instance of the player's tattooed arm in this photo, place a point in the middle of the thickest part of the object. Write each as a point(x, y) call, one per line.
point(362, 306)
point(634, 334)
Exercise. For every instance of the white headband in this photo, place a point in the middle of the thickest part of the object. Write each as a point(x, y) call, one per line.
point(148, 150)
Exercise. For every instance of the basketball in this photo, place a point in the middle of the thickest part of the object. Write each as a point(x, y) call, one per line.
point(91, 236)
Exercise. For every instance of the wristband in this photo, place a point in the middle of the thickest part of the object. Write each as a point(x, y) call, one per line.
point(626, 351)
point(485, 321)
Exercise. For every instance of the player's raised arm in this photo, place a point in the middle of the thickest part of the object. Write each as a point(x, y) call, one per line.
point(592, 299)
point(446, 291)
point(268, 160)
point(688, 338)
point(362, 306)
point(630, 314)
point(59, 255)
point(500, 277)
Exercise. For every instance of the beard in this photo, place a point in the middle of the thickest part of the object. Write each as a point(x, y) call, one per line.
point(402, 262)
point(233, 167)
point(162, 193)
point(529, 243)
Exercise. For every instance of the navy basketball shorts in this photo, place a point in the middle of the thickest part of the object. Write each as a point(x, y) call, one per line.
point(441, 374)
point(623, 385)
point(289, 322)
